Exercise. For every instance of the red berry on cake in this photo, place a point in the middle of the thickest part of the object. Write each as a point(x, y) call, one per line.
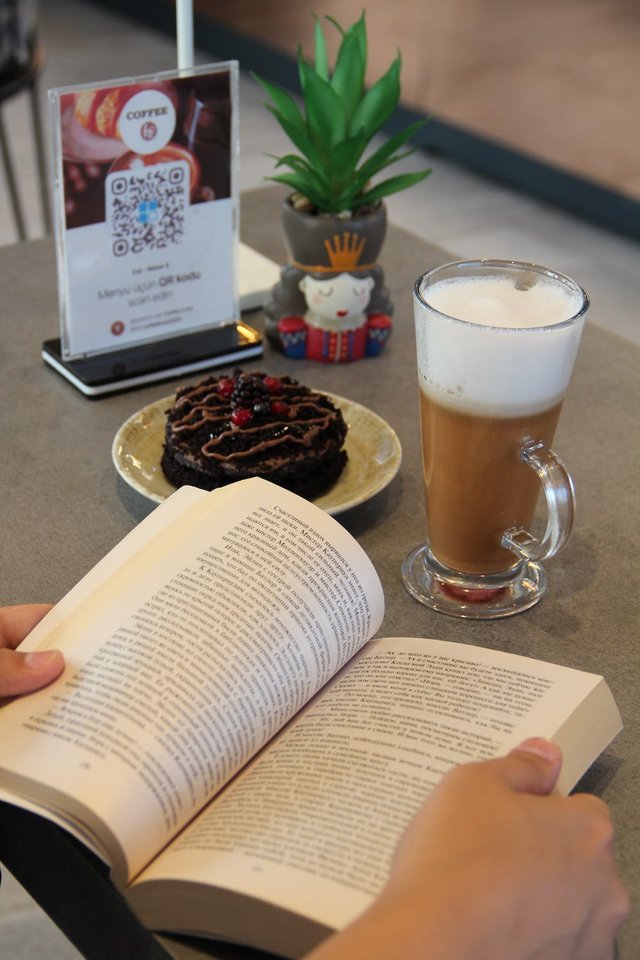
point(273, 385)
point(241, 416)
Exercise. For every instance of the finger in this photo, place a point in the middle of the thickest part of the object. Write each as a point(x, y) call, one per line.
point(598, 936)
point(532, 767)
point(17, 621)
point(24, 672)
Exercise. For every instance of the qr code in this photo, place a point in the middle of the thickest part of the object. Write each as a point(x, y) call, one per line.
point(146, 207)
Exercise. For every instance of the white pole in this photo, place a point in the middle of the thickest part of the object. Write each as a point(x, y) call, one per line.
point(184, 33)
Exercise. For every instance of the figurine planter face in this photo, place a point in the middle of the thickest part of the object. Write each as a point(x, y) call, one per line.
point(336, 326)
point(336, 304)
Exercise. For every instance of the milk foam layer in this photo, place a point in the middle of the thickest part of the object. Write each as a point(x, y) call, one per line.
point(497, 302)
point(511, 357)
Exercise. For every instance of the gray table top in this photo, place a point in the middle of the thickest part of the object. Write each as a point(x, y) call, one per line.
point(63, 505)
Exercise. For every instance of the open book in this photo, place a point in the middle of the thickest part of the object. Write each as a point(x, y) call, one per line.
point(230, 739)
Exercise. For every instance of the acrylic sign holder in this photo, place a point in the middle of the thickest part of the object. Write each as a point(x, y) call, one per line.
point(146, 212)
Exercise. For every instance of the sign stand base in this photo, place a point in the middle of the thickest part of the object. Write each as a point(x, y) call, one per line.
point(142, 364)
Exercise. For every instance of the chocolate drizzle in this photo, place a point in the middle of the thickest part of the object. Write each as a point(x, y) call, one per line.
point(227, 428)
point(202, 412)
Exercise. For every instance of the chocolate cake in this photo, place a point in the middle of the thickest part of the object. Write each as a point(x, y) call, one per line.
point(229, 428)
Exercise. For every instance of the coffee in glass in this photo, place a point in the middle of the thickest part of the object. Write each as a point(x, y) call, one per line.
point(496, 345)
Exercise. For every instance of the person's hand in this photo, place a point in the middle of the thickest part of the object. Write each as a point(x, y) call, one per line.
point(24, 672)
point(535, 873)
point(495, 868)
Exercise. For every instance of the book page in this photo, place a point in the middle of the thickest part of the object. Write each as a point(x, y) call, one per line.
point(180, 670)
point(312, 823)
point(116, 563)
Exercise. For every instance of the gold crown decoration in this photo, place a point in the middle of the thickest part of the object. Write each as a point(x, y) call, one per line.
point(346, 250)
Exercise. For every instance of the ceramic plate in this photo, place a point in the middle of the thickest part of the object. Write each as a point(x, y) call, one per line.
point(373, 448)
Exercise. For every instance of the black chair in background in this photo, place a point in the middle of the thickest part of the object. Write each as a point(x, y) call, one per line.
point(21, 61)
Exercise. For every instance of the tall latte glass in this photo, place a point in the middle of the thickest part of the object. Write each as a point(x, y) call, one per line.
point(496, 345)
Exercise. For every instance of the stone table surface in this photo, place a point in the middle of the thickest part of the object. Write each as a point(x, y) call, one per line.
point(63, 506)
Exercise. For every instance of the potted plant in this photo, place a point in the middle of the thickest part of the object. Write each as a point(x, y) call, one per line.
point(335, 218)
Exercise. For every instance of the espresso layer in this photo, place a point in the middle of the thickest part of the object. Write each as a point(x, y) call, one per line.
point(476, 487)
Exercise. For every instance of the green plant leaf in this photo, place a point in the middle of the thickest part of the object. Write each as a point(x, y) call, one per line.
point(344, 159)
point(325, 113)
point(392, 185)
point(303, 167)
point(359, 29)
point(284, 102)
point(361, 182)
point(301, 185)
point(379, 102)
point(335, 23)
point(303, 143)
point(322, 60)
point(348, 75)
point(292, 160)
point(303, 66)
point(339, 118)
point(386, 153)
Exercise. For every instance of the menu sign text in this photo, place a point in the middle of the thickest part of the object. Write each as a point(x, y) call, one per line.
point(146, 208)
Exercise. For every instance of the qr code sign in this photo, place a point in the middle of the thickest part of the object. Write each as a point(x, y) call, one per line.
point(146, 207)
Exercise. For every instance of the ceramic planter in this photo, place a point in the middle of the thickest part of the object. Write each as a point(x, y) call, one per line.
point(326, 247)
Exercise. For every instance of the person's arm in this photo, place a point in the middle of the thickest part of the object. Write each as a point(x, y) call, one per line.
point(494, 867)
point(24, 672)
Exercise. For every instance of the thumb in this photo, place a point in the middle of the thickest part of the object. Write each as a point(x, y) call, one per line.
point(24, 672)
point(532, 767)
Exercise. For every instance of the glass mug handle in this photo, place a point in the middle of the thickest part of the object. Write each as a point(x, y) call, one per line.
point(559, 494)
